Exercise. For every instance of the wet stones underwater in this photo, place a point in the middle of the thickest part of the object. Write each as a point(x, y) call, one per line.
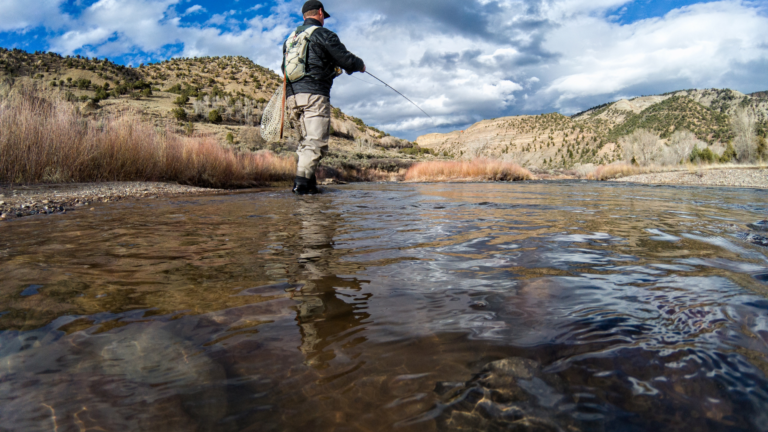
point(555, 306)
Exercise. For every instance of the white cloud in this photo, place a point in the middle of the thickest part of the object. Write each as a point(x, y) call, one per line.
point(194, 9)
point(696, 44)
point(501, 57)
point(18, 15)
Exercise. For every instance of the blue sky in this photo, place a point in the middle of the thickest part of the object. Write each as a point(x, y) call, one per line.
point(461, 60)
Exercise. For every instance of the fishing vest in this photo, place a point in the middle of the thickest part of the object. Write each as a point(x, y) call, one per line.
point(296, 49)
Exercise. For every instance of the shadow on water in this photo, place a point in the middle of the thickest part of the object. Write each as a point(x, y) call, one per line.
point(545, 306)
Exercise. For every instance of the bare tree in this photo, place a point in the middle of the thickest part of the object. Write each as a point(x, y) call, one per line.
point(744, 129)
point(642, 145)
point(680, 146)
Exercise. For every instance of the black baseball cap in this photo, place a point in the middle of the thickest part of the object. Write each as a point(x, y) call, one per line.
point(314, 5)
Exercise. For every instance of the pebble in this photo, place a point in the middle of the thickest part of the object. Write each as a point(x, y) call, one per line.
point(752, 178)
point(47, 199)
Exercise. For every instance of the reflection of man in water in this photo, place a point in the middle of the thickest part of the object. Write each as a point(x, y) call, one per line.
point(322, 314)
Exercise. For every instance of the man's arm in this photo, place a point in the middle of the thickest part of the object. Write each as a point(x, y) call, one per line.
point(343, 58)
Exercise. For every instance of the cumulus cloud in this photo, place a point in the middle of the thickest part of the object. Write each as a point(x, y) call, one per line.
point(460, 60)
point(194, 9)
point(21, 15)
point(696, 45)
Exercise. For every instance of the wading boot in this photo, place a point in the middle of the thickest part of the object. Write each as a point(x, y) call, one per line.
point(312, 185)
point(305, 186)
point(300, 186)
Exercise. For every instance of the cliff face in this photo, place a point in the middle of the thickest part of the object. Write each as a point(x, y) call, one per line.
point(591, 137)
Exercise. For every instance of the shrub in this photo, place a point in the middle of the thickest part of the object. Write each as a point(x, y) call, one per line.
point(44, 141)
point(147, 92)
point(179, 113)
point(189, 129)
point(181, 100)
point(214, 116)
point(762, 148)
point(703, 156)
point(729, 155)
point(230, 138)
point(101, 94)
point(416, 151)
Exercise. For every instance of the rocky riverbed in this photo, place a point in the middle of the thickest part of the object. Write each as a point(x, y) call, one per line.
point(750, 178)
point(19, 201)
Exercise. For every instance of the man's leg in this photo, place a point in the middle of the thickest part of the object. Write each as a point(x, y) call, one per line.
point(316, 127)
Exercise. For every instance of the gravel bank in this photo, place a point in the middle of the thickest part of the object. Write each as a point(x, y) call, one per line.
point(19, 201)
point(750, 178)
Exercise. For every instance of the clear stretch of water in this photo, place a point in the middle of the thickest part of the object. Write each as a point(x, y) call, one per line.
point(538, 306)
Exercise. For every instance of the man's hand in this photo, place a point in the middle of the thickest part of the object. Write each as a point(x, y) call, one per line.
point(363, 71)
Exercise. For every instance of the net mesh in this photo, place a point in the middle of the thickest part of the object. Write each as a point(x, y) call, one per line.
point(270, 120)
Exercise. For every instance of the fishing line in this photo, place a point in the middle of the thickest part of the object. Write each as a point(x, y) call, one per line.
point(414, 104)
point(369, 83)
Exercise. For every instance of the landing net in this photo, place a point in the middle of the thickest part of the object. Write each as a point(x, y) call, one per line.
point(270, 120)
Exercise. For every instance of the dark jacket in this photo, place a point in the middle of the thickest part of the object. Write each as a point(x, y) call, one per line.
point(326, 52)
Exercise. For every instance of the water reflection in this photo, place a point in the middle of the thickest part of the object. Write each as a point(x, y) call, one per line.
point(560, 306)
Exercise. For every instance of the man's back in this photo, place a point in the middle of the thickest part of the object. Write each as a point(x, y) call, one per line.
point(325, 53)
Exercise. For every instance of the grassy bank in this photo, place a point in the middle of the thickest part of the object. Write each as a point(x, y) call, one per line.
point(47, 140)
point(478, 169)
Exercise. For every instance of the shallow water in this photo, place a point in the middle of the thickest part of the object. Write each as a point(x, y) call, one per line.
point(375, 307)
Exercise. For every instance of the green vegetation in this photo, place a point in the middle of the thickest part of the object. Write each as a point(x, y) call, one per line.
point(416, 151)
point(703, 156)
point(676, 113)
point(214, 116)
point(179, 113)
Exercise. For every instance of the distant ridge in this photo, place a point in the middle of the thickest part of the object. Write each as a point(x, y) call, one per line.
point(554, 141)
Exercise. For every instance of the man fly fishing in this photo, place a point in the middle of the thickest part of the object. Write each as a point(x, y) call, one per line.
point(313, 57)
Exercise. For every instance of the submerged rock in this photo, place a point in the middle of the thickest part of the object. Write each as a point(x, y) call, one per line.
point(138, 377)
point(753, 238)
point(509, 394)
point(759, 226)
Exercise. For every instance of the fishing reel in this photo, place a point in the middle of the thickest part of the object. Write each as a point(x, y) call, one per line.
point(337, 72)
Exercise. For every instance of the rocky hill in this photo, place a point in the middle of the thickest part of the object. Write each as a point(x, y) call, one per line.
point(223, 96)
point(591, 137)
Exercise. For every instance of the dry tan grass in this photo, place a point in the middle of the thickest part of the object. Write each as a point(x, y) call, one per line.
point(477, 169)
point(44, 140)
point(612, 171)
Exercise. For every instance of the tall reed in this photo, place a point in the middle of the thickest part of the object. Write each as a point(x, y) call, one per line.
point(477, 169)
point(48, 140)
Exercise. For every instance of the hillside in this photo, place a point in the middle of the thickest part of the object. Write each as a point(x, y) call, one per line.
point(553, 141)
point(185, 92)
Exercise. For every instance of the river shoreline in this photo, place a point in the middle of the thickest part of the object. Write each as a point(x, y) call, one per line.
point(27, 200)
point(755, 178)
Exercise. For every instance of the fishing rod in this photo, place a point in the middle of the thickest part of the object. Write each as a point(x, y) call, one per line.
point(414, 104)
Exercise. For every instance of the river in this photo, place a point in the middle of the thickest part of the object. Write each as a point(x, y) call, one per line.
point(522, 306)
